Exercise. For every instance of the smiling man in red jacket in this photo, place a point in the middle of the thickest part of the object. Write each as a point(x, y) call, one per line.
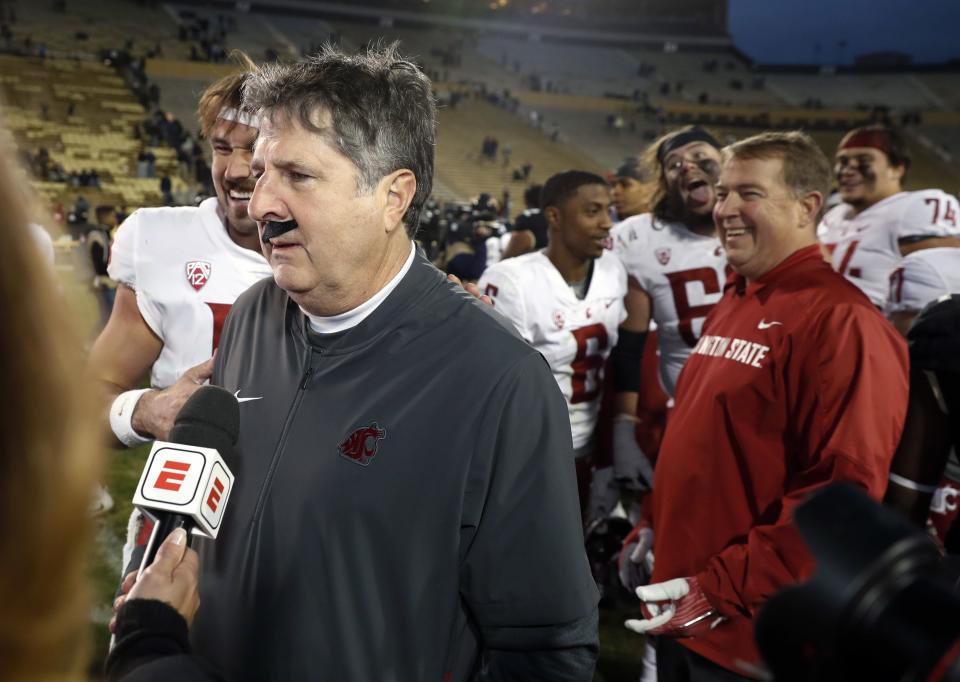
point(797, 381)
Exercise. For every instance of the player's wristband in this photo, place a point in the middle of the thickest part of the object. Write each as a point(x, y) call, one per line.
point(904, 482)
point(121, 414)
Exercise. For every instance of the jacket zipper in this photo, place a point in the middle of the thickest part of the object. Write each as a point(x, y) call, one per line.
point(275, 462)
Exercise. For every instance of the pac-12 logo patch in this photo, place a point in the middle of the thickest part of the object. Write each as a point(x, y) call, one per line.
point(663, 255)
point(198, 273)
point(361, 445)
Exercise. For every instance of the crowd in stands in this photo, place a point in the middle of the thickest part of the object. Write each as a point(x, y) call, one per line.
point(161, 129)
point(42, 167)
point(208, 35)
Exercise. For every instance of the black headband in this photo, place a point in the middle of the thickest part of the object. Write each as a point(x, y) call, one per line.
point(686, 137)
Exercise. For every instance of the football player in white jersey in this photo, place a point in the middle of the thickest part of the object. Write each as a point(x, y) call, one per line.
point(179, 271)
point(674, 261)
point(923, 277)
point(676, 270)
point(567, 299)
point(878, 223)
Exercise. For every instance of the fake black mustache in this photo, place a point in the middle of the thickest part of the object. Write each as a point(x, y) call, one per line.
point(273, 229)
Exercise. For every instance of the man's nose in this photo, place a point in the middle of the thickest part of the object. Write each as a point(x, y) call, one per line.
point(727, 207)
point(238, 167)
point(265, 204)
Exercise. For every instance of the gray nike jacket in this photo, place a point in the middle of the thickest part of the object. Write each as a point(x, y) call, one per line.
point(405, 505)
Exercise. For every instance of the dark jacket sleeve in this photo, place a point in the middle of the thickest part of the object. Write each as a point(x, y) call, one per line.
point(524, 571)
point(152, 645)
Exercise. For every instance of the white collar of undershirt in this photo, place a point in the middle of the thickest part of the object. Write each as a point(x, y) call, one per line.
point(351, 318)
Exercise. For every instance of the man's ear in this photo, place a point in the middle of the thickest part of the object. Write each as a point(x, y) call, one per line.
point(810, 205)
point(552, 214)
point(400, 186)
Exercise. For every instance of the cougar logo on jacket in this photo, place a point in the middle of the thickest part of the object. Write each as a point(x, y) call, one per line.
point(361, 445)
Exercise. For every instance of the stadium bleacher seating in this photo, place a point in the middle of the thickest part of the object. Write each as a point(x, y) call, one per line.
point(97, 136)
point(461, 170)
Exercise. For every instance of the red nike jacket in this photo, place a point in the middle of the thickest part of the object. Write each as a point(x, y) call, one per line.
point(798, 381)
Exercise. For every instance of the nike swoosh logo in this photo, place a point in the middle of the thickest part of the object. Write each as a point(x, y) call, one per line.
point(243, 400)
point(763, 324)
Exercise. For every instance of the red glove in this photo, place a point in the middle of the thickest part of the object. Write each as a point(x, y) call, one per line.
point(675, 608)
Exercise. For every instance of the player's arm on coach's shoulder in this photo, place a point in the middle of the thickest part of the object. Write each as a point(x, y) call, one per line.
point(524, 570)
point(120, 358)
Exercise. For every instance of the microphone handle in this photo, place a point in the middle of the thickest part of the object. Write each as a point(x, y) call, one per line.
point(165, 524)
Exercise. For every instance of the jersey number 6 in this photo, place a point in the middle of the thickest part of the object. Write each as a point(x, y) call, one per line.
point(588, 364)
point(686, 313)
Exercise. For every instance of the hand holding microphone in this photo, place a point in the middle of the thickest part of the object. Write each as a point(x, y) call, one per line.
point(172, 578)
point(186, 482)
point(185, 485)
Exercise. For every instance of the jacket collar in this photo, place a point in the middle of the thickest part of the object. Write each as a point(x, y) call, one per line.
point(800, 259)
point(422, 278)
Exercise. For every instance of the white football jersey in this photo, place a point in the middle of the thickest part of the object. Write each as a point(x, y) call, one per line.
point(575, 336)
point(865, 248)
point(923, 277)
point(683, 273)
point(187, 272)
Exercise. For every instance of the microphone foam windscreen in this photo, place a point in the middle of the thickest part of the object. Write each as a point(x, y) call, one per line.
point(209, 419)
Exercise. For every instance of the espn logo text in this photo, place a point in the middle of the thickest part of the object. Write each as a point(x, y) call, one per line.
point(174, 475)
point(215, 495)
point(171, 475)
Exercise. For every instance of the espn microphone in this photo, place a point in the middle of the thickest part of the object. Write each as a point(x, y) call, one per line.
point(186, 483)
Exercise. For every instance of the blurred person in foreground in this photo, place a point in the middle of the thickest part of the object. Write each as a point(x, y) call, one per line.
point(49, 462)
point(406, 505)
point(777, 399)
point(49, 453)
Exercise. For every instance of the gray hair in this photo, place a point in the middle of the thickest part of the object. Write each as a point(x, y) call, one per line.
point(381, 108)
